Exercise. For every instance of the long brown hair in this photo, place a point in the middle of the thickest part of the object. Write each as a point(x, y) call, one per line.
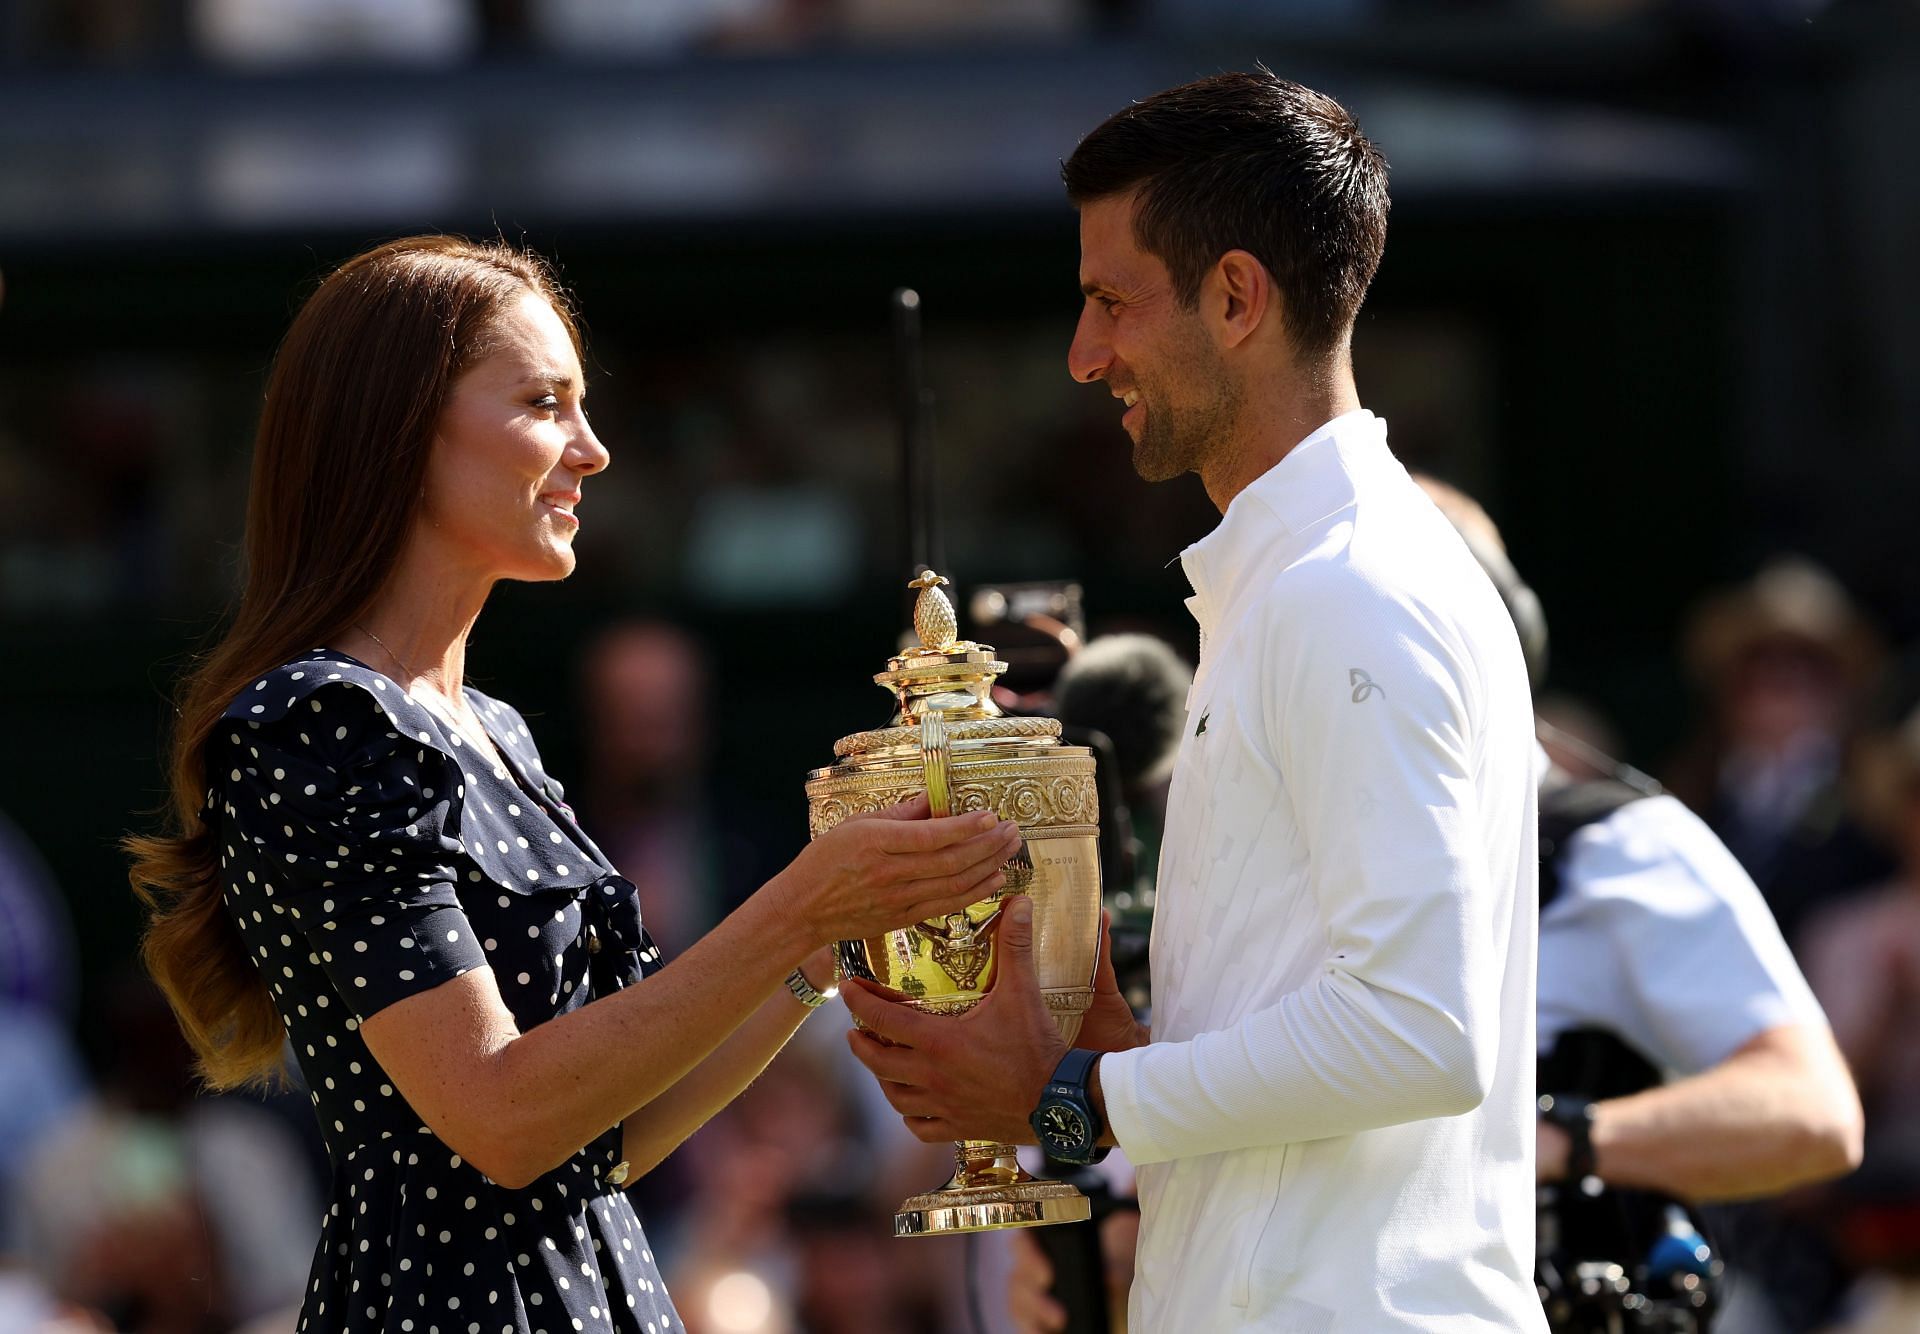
point(356, 393)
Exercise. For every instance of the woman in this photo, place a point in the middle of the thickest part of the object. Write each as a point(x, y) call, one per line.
point(372, 862)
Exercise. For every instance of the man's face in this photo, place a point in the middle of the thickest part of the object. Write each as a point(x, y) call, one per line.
point(1153, 352)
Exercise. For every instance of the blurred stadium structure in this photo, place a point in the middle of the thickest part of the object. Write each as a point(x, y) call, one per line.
point(1650, 292)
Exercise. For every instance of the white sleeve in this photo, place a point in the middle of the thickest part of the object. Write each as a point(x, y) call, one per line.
point(1402, 1021)
point(1701, 965)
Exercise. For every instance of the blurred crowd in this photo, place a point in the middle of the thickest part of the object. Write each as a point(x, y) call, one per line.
point(129, 1202)
point(275, 33)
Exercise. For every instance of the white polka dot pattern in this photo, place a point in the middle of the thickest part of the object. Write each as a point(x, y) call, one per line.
point(363, 862)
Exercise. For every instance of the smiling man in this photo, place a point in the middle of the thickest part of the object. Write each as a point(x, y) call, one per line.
point(1332, 1118)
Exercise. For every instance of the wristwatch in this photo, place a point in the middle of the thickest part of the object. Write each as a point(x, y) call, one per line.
point(1066, 1122)
point(1574, 1115)
point(808, 994)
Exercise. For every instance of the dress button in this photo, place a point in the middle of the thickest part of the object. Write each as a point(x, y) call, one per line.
point(593, 941)
point(618, 1176)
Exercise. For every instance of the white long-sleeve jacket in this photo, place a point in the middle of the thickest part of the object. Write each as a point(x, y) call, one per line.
point(1333, 1126)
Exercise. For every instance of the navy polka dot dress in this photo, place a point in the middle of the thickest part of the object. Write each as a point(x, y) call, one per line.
point(369, 853)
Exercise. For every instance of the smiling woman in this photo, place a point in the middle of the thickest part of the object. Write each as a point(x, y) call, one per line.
point(513, 447)
point(371, 868)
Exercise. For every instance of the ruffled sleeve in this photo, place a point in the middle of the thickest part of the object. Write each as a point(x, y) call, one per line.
point(355, 827)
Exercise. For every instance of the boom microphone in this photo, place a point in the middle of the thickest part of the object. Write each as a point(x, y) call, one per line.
point(1134, 689)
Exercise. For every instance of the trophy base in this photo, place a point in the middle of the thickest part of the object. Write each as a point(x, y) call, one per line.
point(989, 1191)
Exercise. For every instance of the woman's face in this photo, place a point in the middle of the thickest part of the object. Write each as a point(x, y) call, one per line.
point(513, 444)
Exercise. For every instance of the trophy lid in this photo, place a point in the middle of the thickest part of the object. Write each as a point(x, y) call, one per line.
point(945, 672)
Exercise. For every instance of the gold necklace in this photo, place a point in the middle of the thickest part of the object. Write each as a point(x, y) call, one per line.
point(476, 734)
point(398, 661)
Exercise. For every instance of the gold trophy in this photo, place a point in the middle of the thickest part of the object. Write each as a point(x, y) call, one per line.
point(950, 739)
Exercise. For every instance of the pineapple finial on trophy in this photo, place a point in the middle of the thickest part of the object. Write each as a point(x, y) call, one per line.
point(943, 672)
point(933, 617)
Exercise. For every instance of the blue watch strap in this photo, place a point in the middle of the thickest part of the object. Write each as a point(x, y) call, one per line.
point(1075, 1067)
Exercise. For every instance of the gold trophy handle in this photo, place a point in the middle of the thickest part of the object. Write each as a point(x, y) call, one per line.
point(935, 755)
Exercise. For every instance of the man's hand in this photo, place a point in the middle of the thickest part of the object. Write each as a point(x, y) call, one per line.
point(975, 1076)
point(1780, 1112)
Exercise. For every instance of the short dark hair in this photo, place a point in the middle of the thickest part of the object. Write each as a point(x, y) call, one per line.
point(1250, 162)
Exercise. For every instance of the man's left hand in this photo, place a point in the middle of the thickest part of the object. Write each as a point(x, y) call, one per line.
point(975, 1076)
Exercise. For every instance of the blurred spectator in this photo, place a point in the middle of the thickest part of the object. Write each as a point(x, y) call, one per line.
point(646, 791)
point(1863, 959)
point(36, 937)
point(787, 1224)
point(1863, 956)
point(287, 32)
point(166, 1212)
point(40, 1075)
point(104, 454)
point(846, 1264)
point(1785, 661)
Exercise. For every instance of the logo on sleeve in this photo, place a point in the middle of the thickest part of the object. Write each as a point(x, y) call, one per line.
point(1363, 685)
point(1203, 722)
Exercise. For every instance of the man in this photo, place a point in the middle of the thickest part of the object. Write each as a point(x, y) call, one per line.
point(1686, 1049)
point(1332, 1123)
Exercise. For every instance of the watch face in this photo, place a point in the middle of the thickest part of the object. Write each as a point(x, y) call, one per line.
point(1062, 1128)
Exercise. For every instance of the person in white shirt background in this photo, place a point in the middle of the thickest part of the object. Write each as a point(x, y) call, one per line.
point(1332, 1119)
point(1687, 1057)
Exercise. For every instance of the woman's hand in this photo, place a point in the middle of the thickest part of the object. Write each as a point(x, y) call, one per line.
point(874, 873)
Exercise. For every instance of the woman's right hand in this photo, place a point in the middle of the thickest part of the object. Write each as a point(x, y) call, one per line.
point(889, 869)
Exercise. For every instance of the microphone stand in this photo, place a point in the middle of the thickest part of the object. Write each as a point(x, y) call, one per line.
point(913, 406)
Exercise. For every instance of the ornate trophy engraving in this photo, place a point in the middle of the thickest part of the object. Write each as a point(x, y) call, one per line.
point(949, 739)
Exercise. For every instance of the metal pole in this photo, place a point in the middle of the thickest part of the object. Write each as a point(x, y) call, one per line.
point(914, 406)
